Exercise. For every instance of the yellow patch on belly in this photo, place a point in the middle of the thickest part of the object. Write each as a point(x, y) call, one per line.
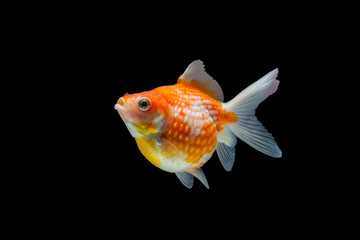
point(148, 149)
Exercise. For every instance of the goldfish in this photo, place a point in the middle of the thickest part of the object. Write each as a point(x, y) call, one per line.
point(178, 127)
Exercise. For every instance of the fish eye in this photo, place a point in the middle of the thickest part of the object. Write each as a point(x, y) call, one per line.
point(144, 103)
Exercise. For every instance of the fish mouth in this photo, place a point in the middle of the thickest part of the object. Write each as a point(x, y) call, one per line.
point(122, 112)
point(120, 109)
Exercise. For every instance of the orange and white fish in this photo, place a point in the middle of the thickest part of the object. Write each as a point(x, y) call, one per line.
point(178, 127)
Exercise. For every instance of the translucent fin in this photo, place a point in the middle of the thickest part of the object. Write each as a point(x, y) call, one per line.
point(167, 149)
point(225, 148)
point(185, 178)
point(226, 155)
point(196, 76)
point(227, 137)
point(248, 128)
point(199, 174)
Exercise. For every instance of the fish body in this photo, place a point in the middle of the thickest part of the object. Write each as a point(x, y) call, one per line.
point(178, 127)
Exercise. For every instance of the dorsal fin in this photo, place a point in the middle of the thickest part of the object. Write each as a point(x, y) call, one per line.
point(196, 76)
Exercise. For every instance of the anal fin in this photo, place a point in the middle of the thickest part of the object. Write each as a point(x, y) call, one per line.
point(225, 148)
point(226, 155)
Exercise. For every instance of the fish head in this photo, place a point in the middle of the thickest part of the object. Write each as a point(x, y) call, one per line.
point(144, 114)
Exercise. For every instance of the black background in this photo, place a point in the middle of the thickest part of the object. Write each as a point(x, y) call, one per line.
point(108, 165)
point(143, 65)
point(90, 166)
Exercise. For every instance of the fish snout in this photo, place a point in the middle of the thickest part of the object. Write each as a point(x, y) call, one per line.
point(122, 109)
point(120, 104)
point(118, 107)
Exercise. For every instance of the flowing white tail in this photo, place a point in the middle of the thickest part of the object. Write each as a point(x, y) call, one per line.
point(248, 128)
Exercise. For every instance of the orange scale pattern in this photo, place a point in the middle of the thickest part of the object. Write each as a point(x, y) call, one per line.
point(195, 121)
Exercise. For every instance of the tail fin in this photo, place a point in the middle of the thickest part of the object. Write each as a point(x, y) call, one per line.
point(248, 128)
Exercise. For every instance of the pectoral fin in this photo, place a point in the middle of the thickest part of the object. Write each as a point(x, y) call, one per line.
point(167, 149)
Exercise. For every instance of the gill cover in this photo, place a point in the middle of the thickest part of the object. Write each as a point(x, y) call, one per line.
point(146, 129)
